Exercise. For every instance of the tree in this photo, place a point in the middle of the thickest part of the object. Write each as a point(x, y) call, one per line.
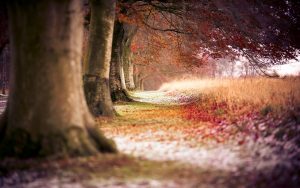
point(3, 26)
point(262, 31)
point(120, 55)
point(258, 30)
point(98, 57)
point(47, 114)
point(129, 33)
point(132, 15)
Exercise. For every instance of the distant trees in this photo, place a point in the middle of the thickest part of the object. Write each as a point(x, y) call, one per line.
point(47, 113)
point(264, 32)
point(136, 17)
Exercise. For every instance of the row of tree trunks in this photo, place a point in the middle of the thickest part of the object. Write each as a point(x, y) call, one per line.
point(47, 113)
point(127, 65)
point(98, 58)
point(117, 76)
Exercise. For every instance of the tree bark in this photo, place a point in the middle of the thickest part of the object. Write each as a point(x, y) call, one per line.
point(138, 79)
point(131, 76)
point(3, 26)
point(141, 84)
point(117, 76)
point(47, 114)
point(96, 78)
point(129, 32)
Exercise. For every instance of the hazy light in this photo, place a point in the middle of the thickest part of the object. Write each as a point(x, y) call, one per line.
point(190, 84)
point(291, 69)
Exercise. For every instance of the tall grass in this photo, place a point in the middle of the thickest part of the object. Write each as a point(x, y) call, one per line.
point(256, 92)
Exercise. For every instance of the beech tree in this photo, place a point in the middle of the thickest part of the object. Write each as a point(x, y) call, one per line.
point(47, 114)
point(3, 26)
point(98, 57)
point(264, 32)
point(133, 15)
point(120, 55)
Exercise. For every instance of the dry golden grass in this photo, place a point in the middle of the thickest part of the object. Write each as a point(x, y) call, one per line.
point(258, 92)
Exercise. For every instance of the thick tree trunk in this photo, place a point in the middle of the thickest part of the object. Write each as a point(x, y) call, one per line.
point(117, 77)
point(96, 78)
point(47, 114)
point(3, 26)
point(129, 32)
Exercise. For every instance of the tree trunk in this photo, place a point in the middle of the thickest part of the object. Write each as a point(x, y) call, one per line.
point(117, 79)
point(129, 32)
point(3, 26)
point(47, 114)
point(96, 78)
point(136, 77)
point(129, 76)
point(141, 84)
point(128, 72)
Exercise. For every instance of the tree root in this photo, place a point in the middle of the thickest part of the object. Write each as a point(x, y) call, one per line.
point(72, 142)
point(120, 96)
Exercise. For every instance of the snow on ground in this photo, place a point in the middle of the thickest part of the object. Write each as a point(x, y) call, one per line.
point(65, 182)
point(161, 97)
point(229, 156)
point(218, 157)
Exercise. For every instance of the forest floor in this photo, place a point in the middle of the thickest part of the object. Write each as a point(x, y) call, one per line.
point(160, 147)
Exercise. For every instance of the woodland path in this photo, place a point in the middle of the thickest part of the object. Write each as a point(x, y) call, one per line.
point(160, 133)
point(162, 150)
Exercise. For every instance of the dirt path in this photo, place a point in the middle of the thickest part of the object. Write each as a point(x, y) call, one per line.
point(155, 129)
point(163, 150)
point(159, 133)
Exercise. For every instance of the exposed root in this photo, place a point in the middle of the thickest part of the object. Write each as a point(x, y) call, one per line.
point(103, 144)
point(72, 142)
point(120, 96)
